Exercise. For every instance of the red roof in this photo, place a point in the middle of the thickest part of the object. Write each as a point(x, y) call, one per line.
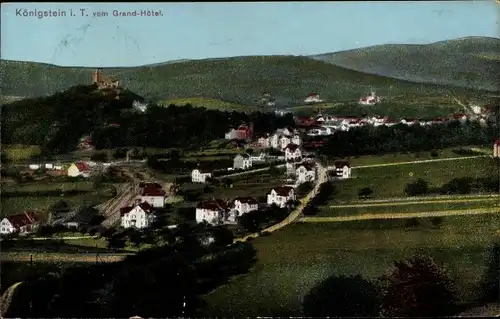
point(144, 206)
point(497, 142)
point(153, 192)
point(283, 190)
point(24, 219)
point(82, 167)
point(150, 185)
point(292, 147)
point(313, 94)
point(215, 205)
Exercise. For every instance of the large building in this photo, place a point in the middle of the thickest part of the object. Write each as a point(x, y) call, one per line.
point(103, 82)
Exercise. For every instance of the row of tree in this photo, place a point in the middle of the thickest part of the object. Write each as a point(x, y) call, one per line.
point(402, 138)
point(461, 185)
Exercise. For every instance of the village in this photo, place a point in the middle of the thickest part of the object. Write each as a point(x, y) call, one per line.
point(282, 149)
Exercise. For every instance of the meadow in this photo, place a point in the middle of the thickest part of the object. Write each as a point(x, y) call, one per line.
point(293, 260)
point(210, 104)
point(389, 181)
point(406, 157)
point(395, 208)
point(15, 153)
point(40, 196)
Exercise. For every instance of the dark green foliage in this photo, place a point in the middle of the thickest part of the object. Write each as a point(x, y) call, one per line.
point(419, 187)
point(343, 297)
point(490, 283)
point(401, 138)
point(365, 192)
point(418, 287)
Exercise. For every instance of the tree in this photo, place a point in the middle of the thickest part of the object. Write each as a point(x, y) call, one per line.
point(490, 282)
point(99, 157)
point(365, 192)
point(437, 221)
point(434, 154)
point(419, 187)
point(343, 297)
point(418, 287)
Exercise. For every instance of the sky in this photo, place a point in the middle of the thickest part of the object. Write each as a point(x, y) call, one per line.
point(224, 29)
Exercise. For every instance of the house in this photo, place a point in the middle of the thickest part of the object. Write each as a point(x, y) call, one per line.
point(371, 99)
point(200, 176)
point(342, 169)
point(304, 121)
point(305, 172)
point(151, 185)
point(496, 149)
point(214, 211)
point(259, 157)
point(312, 98)
point(153, 196)
point(244, 205)
point(292, 153)
point(280, 196)
point(263, 142)
point(274, 140)
point(283, 142)
point(85, 142)
point(296, 139)
point(243, 132)
point(21, 223)
point(79, 169)
point(242, 161)
point(138, 216)
point(285, 131)
point(461, 117)
point(138, 106)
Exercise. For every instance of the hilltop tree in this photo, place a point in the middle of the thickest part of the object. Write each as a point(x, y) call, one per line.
point(419, 187)
point(418, 287)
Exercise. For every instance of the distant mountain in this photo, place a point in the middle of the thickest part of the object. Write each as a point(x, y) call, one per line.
point(451, 62)
point(240, 80)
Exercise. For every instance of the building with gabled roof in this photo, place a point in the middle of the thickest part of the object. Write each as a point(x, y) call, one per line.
point(214, 211)
point(23, 223)
point(138, 216)
point(280, 196)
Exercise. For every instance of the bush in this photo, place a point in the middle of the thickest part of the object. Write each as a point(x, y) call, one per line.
point(437, 221)
point(365, 192)
point(99, 157)
point(412, 222)
point(434, 154)
point(265, 233)
point(419, 187)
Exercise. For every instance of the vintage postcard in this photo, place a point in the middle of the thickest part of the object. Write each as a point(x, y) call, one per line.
point(250, 159)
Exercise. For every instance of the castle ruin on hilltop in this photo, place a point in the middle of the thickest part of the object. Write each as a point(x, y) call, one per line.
point(103, 82)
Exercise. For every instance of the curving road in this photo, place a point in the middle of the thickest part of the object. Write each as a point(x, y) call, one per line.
point(296, 213)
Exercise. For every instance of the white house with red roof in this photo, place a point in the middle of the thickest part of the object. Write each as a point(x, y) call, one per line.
point(496, 149)
point(280, 196)
point(154, 195)
point(292, 153)
point(138, 216)
point(79, 169)
point(215, 211)
point(312, 98)
point(24, 223)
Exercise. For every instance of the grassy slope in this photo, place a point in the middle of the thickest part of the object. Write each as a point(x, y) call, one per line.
point(239, 79)
point(444, 62)
point(210, 104)
point(390, 181)
point(293, 260)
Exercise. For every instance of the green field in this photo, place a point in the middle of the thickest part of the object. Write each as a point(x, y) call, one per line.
point(20, 152)
point(389, 181)
point(390, 208)
point(256, 185)
point(293, 260)
point(404, 157)
point(26, 197)
point(211, 104)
